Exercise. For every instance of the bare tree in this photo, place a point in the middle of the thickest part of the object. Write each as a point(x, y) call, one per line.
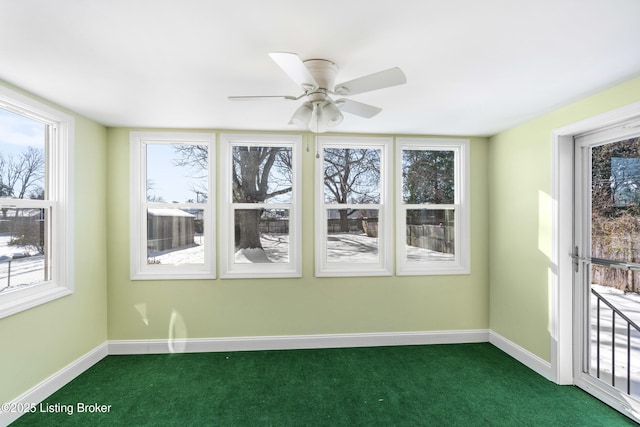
point(258, 174)
point(351, 176)
point(151, 185)
point(19, 176)
point(23, 177)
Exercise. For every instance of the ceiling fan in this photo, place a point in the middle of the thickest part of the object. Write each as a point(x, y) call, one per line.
point(317, 79)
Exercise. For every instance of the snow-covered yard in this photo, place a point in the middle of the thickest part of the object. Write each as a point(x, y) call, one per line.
point(193, 254)
point(341, 247)
point(629, 305)
point(19, 265)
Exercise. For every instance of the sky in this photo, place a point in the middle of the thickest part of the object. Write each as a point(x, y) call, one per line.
point(172, 183)
point(18, 132)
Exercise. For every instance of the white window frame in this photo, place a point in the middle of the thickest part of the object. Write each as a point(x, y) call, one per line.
point(384, 267)
point(59, 203)
point(228, 267)
point(461, 261)
point(140, 269)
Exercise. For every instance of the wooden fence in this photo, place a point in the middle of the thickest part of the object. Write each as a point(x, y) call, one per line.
point(334, 225)
point(625, 248)
point(439, 238)
point(274, 226)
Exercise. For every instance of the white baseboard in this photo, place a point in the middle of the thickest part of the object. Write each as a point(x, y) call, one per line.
point(522, 355)
point(200, 345)
point(52, 384)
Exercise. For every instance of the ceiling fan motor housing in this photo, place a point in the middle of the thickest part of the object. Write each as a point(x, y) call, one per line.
point(324, 73)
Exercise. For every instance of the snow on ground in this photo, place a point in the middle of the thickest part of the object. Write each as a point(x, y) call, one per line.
point(360, 248)
point(16, 251)
point(193, 254)
point(341, 247)
point(252, 256)
point(352, 247)
point(19, 265)
point(276, 249)
point(415, 254)
point(629, 305)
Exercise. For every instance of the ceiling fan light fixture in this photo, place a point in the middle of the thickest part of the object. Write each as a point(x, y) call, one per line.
point(325, 115)
point(332, 114)
point(318, 122)
point(302, 116)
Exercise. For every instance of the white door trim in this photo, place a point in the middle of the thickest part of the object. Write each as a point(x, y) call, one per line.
point(561, 268)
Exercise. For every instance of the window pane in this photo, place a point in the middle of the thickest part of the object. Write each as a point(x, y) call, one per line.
point(175, 236)
point(262, 174)
point(261, 236)
point(615, 201)
point(177, 173)
point(22, 156)
point(23, 247)
point(352, 175)
point(352, 235)
point(428, 176)
point(430, 235)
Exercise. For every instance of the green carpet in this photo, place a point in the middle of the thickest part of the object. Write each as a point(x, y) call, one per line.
point(434, 385)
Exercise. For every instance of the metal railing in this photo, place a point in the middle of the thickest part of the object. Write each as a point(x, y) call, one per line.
point(630, 323)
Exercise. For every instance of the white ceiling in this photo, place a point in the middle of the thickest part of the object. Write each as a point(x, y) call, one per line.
point(473, 67)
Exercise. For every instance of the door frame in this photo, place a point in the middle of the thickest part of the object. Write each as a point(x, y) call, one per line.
point(562, 313)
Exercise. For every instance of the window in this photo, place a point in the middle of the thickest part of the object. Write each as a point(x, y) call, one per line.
point(353, 213)
point(260, 224)
point(36, 209)
point(172, 196)
point(432, 206)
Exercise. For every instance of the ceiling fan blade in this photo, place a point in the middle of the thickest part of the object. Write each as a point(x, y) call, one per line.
point(358, 108)
point(380, 80)
point(263, 98)
point(295, 68)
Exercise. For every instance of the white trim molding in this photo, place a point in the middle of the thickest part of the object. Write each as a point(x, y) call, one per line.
point(296, 342)
point(47, 387)
point(522, 355)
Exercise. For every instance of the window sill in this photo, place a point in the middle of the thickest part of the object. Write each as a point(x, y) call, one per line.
point(18, 301)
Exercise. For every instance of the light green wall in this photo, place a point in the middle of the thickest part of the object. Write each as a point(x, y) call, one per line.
point(507, 290)
point(307, 305)
point(520, 217)
point(41, 341)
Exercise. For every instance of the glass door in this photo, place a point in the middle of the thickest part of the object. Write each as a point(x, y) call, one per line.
point(607, 261)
